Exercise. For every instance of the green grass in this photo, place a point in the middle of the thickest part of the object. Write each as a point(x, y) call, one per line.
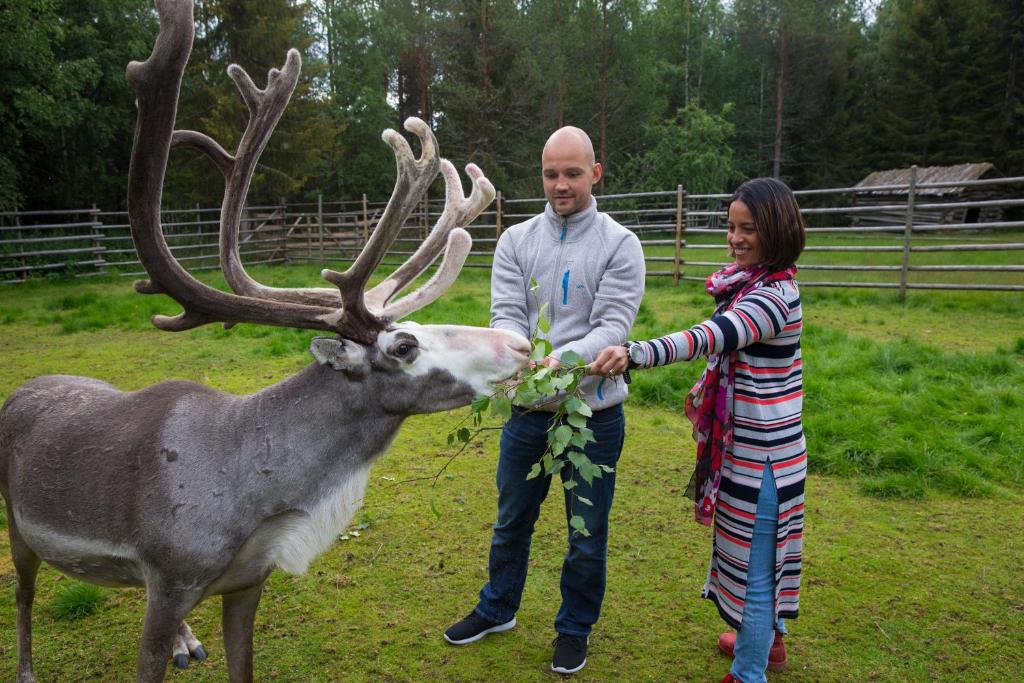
point(74, 600)
point(912, 571)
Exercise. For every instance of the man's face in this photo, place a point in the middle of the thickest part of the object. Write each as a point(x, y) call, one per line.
point(569, 174)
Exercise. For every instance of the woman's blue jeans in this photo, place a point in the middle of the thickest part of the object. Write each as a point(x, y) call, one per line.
point(523, 441)
point(754, 639)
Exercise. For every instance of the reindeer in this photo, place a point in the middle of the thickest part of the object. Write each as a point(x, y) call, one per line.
point(191, 492)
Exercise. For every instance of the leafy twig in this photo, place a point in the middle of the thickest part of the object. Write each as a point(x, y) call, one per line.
point(538, 387)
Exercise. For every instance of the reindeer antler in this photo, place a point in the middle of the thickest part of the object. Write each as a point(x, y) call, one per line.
point(157, 83)
point(447, 234)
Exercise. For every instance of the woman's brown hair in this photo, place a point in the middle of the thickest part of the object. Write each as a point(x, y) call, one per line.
point(777, 219)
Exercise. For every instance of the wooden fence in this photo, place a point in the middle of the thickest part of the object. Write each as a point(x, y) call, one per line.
point(683, 235)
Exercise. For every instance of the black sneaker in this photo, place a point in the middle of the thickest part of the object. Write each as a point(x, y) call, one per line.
point(473, 628)
point(570, 654)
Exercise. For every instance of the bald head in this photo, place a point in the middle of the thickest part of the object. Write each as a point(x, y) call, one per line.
point(569, 171)
point(571, 137)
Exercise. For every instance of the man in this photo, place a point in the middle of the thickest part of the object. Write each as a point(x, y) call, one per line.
point(590, 272)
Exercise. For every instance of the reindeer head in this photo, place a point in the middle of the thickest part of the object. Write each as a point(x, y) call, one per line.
point(424, 369)
point(368, 339)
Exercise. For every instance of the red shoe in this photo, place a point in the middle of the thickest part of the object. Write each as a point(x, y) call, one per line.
point(729, 678)
point(776, 656)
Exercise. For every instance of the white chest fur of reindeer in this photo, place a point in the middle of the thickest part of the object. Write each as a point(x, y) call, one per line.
point(300, 540)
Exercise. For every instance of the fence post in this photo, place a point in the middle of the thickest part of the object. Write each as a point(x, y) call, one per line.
point(97, 243)
point(366, 222)
point(320, 219)
point(497, 218)
point(907, 230)
point(680, 209)
point(425, 216)
point(200, 238)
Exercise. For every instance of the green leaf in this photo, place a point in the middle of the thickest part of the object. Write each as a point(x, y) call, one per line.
point(563, 434)
point(606, 468)
point(577, 523)
point(534, 471)
point(533, 284)
point(578, 440)
point(526, 397)
point(557, 448)
point(501, 407)
point(578, 459)
point(541, 348)
point(556, 466)
point(584, 409)
point(570, 484)
point(563, 382)
point(543, 324)
point(578, 421)
point(572, 359)
point(585, 501)
point(451, 438)
point(588, 434)
point(480, 404)
point(463, 435)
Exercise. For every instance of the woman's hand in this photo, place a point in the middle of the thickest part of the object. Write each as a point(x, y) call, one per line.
point(612, 361)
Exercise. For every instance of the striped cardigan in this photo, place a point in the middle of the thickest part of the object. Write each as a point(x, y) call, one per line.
point(763, 329)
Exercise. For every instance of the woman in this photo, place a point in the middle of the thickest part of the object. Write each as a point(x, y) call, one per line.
point(746, 411)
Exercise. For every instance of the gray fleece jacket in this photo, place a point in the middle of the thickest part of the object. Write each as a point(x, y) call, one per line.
point(589, 269)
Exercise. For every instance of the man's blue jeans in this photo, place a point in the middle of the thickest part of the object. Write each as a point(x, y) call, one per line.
point(754, 639)
point(523, 441)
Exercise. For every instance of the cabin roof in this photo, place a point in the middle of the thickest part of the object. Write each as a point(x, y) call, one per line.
point(925, 174)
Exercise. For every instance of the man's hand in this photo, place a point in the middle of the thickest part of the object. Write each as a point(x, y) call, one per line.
point(548, 362)
point(610, 362)
point(551, 362)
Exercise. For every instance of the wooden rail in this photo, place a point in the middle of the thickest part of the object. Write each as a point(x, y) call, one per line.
point(679, 231)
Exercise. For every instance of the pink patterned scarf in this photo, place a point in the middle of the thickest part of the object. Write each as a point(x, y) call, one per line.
point(709, 405)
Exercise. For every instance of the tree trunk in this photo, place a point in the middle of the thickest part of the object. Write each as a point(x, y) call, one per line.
point(423, 65)
point(780, 92)
point(485, 76)
point(604, 88)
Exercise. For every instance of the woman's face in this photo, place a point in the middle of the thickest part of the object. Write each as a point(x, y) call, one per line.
point(744, 244)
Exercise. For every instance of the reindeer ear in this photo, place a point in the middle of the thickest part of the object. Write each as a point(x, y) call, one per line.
point(338, 353)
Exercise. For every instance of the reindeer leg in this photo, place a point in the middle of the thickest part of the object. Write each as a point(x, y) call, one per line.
point(186, 645)
point(239, 612)
point(26, 563)
point(165, 610)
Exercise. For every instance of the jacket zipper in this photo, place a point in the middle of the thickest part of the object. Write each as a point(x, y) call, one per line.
point(557, 276)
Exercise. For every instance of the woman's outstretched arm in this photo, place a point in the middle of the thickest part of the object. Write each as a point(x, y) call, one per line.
point(760, 315)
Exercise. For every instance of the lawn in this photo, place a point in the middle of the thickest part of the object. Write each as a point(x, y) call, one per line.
point(913, 568)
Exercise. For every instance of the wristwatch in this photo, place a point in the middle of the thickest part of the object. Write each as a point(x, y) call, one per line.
point(635, 354)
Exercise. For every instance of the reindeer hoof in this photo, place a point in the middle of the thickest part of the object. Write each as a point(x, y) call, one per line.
point(181, 661)
point(199, 653)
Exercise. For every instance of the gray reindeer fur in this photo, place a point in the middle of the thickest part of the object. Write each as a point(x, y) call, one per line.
point(192, 492)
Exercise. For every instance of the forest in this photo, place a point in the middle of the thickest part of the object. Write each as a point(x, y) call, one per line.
point(702, 93)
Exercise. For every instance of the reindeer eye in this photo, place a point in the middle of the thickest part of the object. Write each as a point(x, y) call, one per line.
point(403, 349)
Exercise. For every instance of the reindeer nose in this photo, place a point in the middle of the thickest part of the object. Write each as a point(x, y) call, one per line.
point(517, 343)
point(520, 344)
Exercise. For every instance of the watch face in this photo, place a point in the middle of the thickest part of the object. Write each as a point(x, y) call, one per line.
point(636, 353)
